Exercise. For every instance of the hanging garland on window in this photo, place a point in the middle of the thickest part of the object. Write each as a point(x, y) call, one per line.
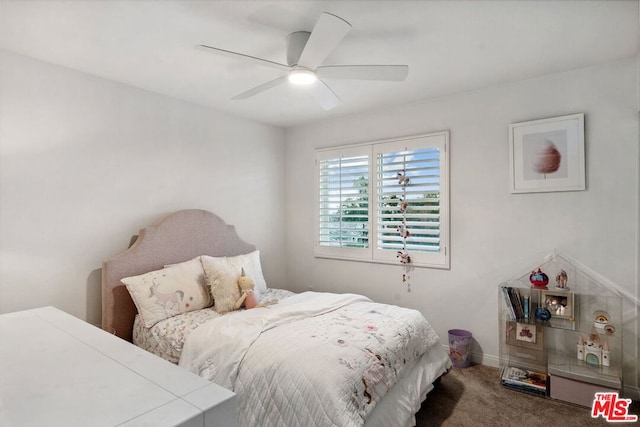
point(403, 255)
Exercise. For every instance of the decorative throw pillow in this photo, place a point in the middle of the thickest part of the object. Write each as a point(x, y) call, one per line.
point(173, 290)
point(222, 275)
point(250, 262)
point(253, 269)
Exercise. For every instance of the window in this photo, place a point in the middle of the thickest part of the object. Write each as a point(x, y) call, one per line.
point(361, 203)
point(343, 195)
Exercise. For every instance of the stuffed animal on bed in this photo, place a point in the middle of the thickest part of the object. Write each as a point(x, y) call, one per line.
point(247, 297)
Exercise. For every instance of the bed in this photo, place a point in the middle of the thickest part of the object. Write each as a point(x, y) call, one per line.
point(303, 359)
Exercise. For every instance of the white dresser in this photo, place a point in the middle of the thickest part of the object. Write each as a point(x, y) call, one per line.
point(56, 370)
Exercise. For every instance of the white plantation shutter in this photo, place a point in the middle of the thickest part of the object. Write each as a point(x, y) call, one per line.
point(343, 213)
point(422, 161)
point(358, 200)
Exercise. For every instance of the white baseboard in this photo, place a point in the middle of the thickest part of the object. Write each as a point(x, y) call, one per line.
point(480, 358)
point(485, 359)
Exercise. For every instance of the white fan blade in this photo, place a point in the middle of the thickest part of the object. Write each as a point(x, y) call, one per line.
point(258, 89)
point(231, 54)
point(324, 95)
point(326, 35)
point(393, 73)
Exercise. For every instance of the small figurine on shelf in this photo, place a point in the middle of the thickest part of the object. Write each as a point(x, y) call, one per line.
point(538, 279)
point(605, 355)
point(542, 314)
point(561, 280)
point(596, 353)
point(580, 348)
point(601, 320)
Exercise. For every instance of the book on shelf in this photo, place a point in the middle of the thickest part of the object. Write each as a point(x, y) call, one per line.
point(524, 380)
point(507, 302)
point(518, 307)
point(517, 303)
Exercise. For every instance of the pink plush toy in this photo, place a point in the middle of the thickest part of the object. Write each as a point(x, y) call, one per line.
point(247, 297)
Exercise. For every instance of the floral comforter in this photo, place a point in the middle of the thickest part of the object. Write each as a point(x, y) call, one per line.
point(312, 359)
point(166, 338)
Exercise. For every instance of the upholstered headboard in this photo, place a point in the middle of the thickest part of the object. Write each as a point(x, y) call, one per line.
point(178, 237)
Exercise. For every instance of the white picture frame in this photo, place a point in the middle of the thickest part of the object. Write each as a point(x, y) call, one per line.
point(559, 303)
point(547, 155)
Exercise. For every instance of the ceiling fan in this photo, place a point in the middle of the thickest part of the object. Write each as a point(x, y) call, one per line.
point(306, 51)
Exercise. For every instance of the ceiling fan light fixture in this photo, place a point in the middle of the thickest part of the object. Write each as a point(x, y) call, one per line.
point(302, 77)
point(306, 53)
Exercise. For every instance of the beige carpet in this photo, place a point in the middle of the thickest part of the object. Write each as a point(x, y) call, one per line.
point(474, 397)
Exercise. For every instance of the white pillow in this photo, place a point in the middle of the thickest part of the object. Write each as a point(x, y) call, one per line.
point(250, 262)
point(173, 290)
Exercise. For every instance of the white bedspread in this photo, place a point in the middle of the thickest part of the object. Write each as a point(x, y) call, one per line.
point(312, 359)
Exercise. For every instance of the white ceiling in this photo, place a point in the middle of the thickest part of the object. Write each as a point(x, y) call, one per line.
point(450, 46)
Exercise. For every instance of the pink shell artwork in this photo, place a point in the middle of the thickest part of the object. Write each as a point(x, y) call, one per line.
point(548, 159)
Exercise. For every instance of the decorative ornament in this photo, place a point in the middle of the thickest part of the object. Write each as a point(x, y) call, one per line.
point(403, 179)
point(580, 348)
point(542, 314)
point(403, 231)
point(561, 280)
point(403, 205)
point(404, 257)
point(595, 353)
point(601, 320)
point(538, 279)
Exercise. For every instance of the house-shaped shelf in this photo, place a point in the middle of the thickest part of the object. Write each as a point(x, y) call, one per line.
point(583, 336)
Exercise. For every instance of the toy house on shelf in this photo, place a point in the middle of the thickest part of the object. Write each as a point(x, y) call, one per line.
point(562, 321)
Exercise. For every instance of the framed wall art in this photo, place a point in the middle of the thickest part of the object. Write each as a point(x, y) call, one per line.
point(547, 155)
point(525, 335)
